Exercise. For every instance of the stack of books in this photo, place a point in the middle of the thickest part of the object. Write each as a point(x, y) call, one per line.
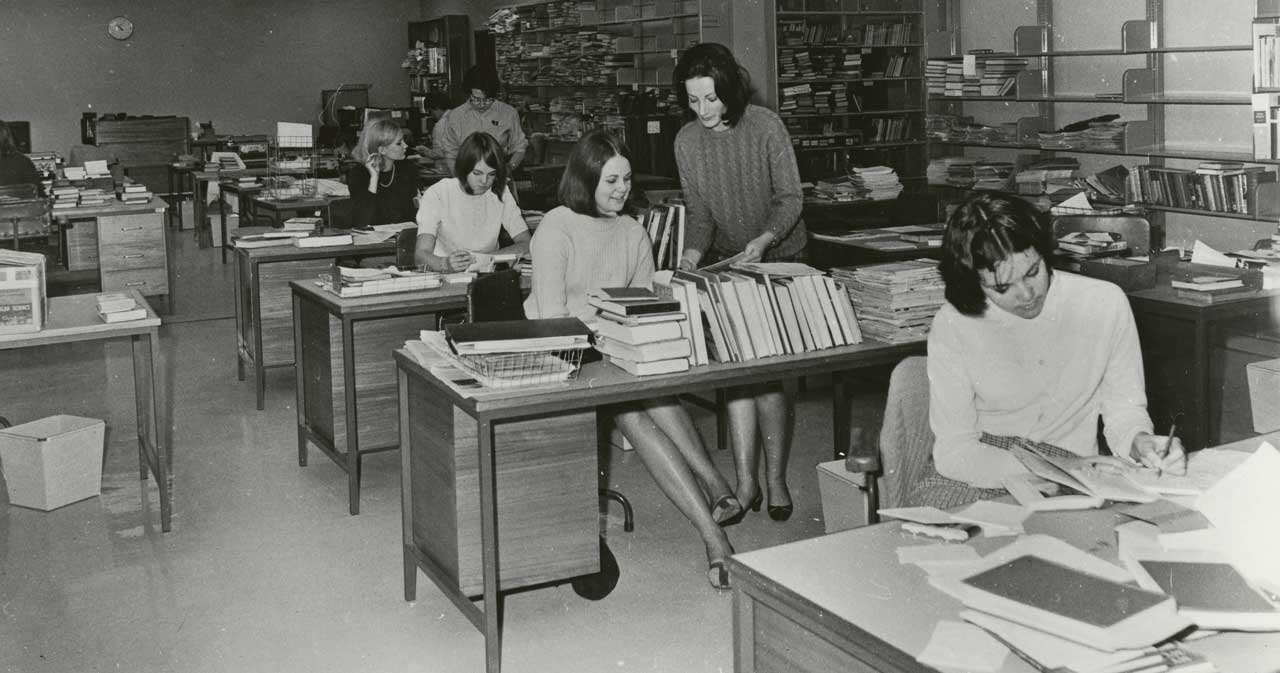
point(1090, 244)
point(302, 224)
point(358, 282)
point(640, 331)
point(265, 240)
point(95, 197)
point(119, 307)
point(65, 196)
point(135, 192)
point(1206, 288)
point(880, 182)
point(895, 301)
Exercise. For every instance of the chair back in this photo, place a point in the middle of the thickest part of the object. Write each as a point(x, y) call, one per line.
point(495, 296)
point(906, 439)
point(406, 244)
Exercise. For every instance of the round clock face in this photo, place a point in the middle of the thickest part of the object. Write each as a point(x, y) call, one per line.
point(120, 28)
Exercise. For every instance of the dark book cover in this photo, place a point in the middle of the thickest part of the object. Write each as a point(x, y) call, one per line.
point(1064, 591)
point(514, 330)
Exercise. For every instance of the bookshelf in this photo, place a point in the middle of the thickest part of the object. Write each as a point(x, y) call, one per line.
point(442, 71)
point(849, 78)
point(1178, 78)
point(570, 66)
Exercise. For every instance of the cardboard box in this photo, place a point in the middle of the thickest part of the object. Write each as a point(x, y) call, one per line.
point(1264, 394)
point(23, 306)
point(844, 504)
point(1129, 274)
point(53, 461)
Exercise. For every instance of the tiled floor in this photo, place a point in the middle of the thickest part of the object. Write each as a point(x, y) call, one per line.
point(265, 570)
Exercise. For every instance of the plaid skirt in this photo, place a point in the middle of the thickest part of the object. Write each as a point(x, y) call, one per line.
point(935, 490)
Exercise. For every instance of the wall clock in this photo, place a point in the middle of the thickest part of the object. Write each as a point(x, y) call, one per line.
point(120, 28)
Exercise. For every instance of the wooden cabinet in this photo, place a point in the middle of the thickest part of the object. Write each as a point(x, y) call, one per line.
point(127, 244)
point(145, 146)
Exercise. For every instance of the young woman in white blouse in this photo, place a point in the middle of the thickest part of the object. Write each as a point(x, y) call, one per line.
point(463, 214)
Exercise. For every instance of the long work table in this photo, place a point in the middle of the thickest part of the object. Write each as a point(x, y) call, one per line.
point(499, 487)
point(843, 602)
point(263, 307)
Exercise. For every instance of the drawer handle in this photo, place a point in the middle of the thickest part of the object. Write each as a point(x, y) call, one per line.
point(131, 256)
point(136, 282)
point(132, 228)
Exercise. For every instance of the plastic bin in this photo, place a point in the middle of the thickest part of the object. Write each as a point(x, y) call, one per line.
point(1264, 394)
point(843, 502)
point(53, 461)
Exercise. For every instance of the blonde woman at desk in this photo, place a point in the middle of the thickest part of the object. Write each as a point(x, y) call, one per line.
point(1021, 351)
point(589, 243)
point(384, 184)
point(464, 214)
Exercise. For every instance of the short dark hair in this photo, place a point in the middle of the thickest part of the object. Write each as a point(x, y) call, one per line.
point(482, 78)
point(985, 230)
point(474, 148)
point(582, 171)
point(710, 59)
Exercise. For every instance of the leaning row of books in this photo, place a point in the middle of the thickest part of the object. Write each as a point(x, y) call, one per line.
point(665, 226)
point(895, 301)
point(1223, 187)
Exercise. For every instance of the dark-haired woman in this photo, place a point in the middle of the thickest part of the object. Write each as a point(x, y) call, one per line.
point(1022, 351)
point(589, 243)
point(742, 193)
point(464, 214)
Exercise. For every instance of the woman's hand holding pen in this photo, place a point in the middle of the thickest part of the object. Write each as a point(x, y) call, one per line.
point(1164, 454)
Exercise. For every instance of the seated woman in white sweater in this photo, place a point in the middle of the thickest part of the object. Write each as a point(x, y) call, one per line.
point(589, 243)
point(463, 214)
point(1021, 352)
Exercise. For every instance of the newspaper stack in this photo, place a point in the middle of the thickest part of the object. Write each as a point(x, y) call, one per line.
point(880, 182)
point(896, 301)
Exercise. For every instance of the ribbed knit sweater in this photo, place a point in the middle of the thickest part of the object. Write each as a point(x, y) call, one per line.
point(573, 253)
point(739, 183)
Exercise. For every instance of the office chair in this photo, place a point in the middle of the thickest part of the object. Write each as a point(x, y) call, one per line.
point(497, 296)
point(893, 456)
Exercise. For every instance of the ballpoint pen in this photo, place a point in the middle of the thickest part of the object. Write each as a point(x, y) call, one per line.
point(1173, 432)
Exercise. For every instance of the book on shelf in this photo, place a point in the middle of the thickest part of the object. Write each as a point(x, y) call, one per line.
point(649, 368)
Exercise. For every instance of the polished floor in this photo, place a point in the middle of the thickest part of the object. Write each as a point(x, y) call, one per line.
point(265, 570)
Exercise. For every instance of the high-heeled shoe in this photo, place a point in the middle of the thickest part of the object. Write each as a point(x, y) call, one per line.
point(718, 575)
point(727, 510)
point(780, 512)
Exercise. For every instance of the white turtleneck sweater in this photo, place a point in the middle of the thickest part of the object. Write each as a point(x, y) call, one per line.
point(1046, 379)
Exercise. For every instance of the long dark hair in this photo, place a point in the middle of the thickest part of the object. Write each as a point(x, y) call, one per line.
point(985, 230)
point(714, 60)
point(480, 145)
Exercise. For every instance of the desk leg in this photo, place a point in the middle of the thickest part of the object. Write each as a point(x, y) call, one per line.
point(239, 311)
point(839, 414)
point(489, 548)
point(168, 220)
point(197, 208)
point(151, 424)
point(349, 393)
point(222, 219)
point(255, 309)
point(299, 380)
point(406, 490)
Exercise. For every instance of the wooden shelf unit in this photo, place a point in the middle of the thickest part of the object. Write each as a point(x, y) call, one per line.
point(848, 80)
point(452, 32)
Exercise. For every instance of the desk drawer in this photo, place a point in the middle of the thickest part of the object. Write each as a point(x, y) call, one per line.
point(131, 228)
point(149, 282)
point(133, 255)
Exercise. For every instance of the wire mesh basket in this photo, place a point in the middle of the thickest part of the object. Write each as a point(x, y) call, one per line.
point(521, 369)
point(291, 169)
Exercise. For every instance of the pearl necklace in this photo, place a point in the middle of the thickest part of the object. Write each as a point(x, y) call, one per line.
point(389, 180)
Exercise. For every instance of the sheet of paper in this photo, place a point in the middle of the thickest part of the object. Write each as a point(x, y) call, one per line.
point(724, 263)
point(1203, 254)
point(483, 262)
point(293, 134)
point(1242, 507)
point(1074, 205)
point(1135, 535)
point(96, 167)
point(1048, 649)
point(960, 646)
point(1204, 469)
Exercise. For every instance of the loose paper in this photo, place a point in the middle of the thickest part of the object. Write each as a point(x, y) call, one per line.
point(1242, 507)
point(961, 646)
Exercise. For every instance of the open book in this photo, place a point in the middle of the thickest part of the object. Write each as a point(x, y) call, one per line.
point(1078, 474)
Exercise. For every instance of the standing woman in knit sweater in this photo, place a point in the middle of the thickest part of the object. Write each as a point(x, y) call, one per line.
point(588, 243)
point(742, 194)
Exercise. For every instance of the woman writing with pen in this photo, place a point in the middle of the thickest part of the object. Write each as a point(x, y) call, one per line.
point(1023, 352)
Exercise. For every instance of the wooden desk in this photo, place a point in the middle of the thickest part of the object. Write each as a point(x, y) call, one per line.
point(842, 602)
point(274, 208)
point(244, 205)
point(448, 459)
point(264, 317)
point(202, 180)
point(128, 244)
point(1177, 336)
point(346, 388)
point(75, 318)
